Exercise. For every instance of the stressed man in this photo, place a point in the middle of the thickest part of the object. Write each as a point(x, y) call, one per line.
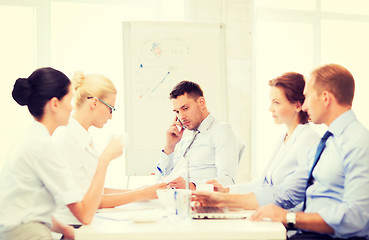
point(212, 150)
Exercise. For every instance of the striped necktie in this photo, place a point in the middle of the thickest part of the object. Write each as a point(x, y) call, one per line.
point(195, 133)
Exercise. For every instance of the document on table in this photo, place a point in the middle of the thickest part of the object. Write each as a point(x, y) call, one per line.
point(138, 211)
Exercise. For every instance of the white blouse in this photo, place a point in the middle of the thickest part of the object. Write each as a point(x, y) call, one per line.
point(77, 147)
point(284, 160)
point(34, 180)
point(273, 164)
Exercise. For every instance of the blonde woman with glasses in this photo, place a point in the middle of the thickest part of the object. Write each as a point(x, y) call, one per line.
point(95, 97)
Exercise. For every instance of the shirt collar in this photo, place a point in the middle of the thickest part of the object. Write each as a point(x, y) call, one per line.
point(338, 126)
point(300, 127)
point(83, 137)
point(39, 126)
point(206, 123)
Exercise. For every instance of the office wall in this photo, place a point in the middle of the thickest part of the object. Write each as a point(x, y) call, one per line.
point(237, 15)
point(68, 48)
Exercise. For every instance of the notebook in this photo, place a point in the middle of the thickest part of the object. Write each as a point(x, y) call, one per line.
point(219, 213)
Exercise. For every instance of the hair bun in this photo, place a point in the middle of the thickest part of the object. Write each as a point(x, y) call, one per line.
point(22, 91)
point(78, 79)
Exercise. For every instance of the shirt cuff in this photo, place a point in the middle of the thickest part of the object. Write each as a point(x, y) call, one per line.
point(164, 160)
point(264, 196)
point(225, 180)
point(67, 198)
point(333, 217)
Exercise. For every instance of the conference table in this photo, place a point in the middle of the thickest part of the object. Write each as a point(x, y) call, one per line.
point(149, 220)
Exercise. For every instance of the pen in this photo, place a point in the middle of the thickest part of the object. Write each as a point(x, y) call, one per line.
point(175, 201)
point(161, 173)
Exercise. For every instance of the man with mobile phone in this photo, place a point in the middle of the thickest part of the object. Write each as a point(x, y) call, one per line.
point(212, 150)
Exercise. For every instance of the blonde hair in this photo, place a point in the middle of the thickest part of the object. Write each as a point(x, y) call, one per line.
point(92, 85)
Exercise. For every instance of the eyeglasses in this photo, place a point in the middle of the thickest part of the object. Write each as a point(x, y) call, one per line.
point(112, 109)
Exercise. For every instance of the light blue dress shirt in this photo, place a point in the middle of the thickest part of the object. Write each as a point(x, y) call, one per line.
point(340, 193)
point(214, 154)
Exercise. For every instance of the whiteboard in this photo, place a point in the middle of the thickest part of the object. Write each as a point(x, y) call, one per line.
point(156, 56)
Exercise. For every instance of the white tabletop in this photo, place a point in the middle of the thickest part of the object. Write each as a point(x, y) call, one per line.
point(148, 221)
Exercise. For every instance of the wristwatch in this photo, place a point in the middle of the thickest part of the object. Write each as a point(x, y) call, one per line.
point(291, 219)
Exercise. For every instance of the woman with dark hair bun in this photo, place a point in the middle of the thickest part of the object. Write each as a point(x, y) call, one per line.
point(35, 178)
point(287, 98)
point(41, 86)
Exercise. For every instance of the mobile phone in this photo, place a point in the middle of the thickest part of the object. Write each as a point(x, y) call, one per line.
point(183, 126)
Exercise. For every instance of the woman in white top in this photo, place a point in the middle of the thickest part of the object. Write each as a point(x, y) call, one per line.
point(35, 177)
point(94, 104)
point(286, 96)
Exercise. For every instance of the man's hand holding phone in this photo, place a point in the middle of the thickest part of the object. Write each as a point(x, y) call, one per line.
point(174, 135)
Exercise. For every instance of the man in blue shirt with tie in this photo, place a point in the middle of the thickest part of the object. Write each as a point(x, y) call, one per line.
point(336, 204)
point(333, 184)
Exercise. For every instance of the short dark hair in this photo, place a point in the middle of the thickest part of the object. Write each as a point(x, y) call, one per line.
point(192, 89)
point(41, 86)
point(293, 85)
point(337, 80)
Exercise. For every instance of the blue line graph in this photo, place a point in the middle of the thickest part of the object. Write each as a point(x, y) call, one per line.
point(156, 87)
point(161, 82)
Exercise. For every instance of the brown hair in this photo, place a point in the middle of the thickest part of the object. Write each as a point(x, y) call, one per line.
point(293, 85)
point(192, 89)
point(337, 80)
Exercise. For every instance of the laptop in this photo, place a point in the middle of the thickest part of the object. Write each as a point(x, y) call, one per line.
point(199, 212)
